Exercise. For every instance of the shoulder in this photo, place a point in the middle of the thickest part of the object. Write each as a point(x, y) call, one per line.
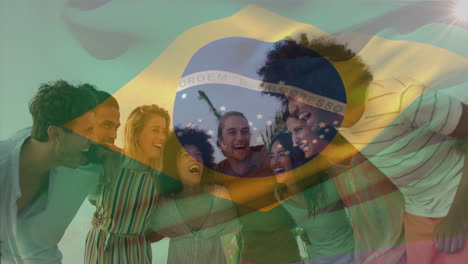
point(89, 171)
point(259, 149)
point(261, 159)
point(8, 146)
point(259, 153)
point(395, 94)
point(221, 166)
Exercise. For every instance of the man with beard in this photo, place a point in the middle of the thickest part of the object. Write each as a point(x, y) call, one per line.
point(266, 236)
point(38, 195)
point(107, 120)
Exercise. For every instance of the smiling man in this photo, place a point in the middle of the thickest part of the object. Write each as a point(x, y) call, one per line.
point(234, 141)
point(62, 125)
point(107, 119)
point(266, 236)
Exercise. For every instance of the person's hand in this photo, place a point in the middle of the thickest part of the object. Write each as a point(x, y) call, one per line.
point(449, 235)
point(96, 221)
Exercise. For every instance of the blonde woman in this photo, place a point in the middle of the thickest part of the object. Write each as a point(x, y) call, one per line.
point(128, 198)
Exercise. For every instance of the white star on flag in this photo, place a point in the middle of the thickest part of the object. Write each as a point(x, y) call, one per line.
point(327, 130)
point(222, 108)
point(335, 122)
point(259, 116)
point(322, 136)
point(210, 132)
point(314, 141)
point(269, 122)
point(190, 125)
point(184, 95)
point(322, 124)
point(250, 123)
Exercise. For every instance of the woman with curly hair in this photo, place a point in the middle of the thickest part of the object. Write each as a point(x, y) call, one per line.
point(190, 215)
point(120, 232)
point(324, 78)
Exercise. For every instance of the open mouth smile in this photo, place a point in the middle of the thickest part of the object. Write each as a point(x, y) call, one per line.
point(195, 169)
point(305, 147)
point(279, 170)
point(304, 116)
point(239, 147)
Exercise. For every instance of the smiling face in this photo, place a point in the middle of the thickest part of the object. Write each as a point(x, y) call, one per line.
point(153, 137)
point(190, 165)
point(303, 111)
point(280, 161)
point(282, 164)
point(107, 123)
point(303, 137)
point(235, 138)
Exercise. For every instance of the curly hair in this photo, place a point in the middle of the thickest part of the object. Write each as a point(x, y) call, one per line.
point(103, 98)
point(56, 104)
point(296, 61)
point(135, 123)
point(107, 100)
point(180, 138)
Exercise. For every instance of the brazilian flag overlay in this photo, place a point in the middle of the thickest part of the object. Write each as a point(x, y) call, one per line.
point(233, 131)
point(225, 73)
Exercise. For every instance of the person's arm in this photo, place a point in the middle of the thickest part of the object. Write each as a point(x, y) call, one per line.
point(449, 235)
point(257, 194)
point(461, 131)
point(221, 217)
point(154, 236)
point(224, 217)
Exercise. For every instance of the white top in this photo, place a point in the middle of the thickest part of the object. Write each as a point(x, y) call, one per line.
point(202, 246)
point(9, 187)
point(41, 225)
point(403, 131)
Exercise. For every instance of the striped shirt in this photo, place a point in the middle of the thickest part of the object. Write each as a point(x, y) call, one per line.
point(124, 209)
point(403, 131)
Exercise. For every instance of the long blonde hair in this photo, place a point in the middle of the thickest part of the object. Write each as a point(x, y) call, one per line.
point(135, 123)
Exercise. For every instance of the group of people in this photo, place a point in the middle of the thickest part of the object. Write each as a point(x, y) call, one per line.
point(386, 187)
